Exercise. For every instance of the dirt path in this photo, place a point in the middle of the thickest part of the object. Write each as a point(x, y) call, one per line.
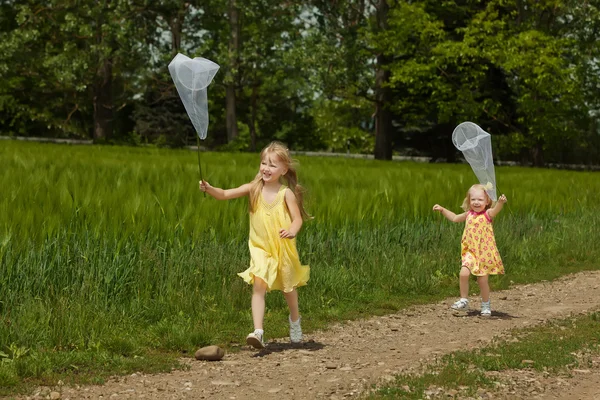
point(347, 359)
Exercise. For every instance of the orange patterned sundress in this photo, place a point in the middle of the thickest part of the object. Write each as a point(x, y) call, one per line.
point(478, 246)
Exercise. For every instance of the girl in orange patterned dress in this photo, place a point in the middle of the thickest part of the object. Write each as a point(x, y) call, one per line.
point(479, 253)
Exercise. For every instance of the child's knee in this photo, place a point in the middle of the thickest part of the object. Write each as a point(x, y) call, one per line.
point(259, 285)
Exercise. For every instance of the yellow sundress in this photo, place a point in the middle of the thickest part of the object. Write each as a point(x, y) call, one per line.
point(273, 259)
point(478, 246)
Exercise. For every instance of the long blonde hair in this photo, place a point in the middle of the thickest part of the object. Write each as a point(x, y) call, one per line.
point(466, 205)
point(291, 177)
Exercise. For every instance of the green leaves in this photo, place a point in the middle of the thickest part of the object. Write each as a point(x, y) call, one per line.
point(507, 64)
point(522, 68)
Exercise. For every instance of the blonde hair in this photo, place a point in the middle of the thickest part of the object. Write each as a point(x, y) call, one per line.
point(291, 177)
point(466, 205)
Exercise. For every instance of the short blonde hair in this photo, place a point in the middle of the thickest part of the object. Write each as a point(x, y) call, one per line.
point(466, 205)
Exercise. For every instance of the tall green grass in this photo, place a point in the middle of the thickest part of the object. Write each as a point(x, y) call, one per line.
point(115, 249)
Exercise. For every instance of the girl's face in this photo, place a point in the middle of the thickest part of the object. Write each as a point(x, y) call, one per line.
point(478, 200)
point(271, 168)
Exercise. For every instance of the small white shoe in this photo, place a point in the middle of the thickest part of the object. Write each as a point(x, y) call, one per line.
point(255, 339)
point(295, 330)
point(461, 305)
point(486, 309)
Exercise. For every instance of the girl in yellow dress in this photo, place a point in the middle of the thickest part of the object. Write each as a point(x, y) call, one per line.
point(479, 253)
point(276, 216)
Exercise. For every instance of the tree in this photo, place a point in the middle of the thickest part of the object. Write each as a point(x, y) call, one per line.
point(69, 60)
point(230, 80)
point(341, 67)
point(383, 93)
point(497, 66)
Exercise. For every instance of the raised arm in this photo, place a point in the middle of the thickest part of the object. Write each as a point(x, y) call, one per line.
point(225, 194)
point(292, 205)
point(450, 215)
point(492, 212)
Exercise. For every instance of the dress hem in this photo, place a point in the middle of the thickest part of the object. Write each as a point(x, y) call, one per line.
point(249, 279)
point(474, 274)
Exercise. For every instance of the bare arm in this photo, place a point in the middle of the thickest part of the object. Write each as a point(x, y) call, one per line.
point(492, 212)
point(450, 215)
point(292, 205)
point(225, 194)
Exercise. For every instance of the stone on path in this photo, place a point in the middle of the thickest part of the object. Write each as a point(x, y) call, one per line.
point(210, 353)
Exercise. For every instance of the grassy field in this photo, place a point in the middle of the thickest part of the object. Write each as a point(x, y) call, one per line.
point(111, 259)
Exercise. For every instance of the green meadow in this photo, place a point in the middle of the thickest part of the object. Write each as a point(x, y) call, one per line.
point(112, 260)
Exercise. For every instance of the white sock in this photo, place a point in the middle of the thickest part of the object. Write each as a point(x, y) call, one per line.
point(464, 299)
point(259, 331)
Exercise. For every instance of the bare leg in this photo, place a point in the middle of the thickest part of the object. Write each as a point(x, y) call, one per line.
point(258, 302)
point(484, 288)
point(465, 274)
point(292, 301)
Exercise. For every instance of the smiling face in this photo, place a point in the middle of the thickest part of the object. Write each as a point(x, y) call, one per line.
point(271, 168)
point(478, 200)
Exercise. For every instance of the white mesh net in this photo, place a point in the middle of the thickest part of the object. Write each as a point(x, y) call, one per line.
point(192, 77)
point(476, 146)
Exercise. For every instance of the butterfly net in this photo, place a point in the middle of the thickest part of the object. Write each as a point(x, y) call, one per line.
point(476, 146)
point(191, 78)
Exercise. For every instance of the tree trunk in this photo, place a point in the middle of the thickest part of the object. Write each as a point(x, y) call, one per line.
point(537, 154)
point(234, 45)
point(253, 105)
point(176, 26)
point(103, 108)
point(383, 118)
point(102, 87)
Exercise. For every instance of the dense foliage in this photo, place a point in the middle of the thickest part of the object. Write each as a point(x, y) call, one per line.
point(368, 76)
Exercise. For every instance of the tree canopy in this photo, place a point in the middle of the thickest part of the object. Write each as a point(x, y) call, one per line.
point(376, 76)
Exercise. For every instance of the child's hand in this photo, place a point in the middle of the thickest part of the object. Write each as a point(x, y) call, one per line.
point(205, 186)
point(503, 199)
point(285, 234)
point(437, 207)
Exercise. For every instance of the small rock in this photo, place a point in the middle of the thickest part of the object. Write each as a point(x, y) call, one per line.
point(224, 383)
point(330, 366)
point(210, 353)
point(54, 395)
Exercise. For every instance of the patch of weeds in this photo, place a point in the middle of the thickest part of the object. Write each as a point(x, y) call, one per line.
point(555, 347)
point(45, 368)
point(437, 379)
